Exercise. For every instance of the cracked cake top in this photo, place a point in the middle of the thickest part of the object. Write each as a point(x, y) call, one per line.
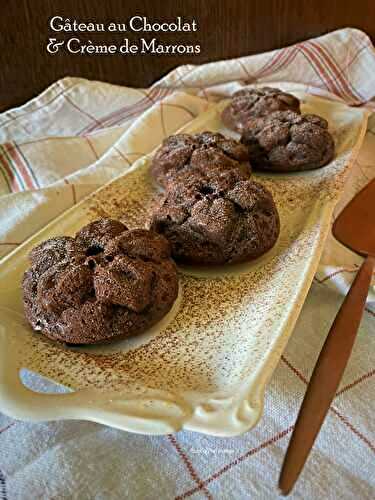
point(106, 283)
point(286, 141)
point(253, 103)
point(216, 220)
point(183, 153)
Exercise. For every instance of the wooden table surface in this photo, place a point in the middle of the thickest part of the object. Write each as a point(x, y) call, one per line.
point(226, 29)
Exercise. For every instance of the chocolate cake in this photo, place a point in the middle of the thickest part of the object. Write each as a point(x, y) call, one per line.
point(183, 153)
point(253, 103)
point(217, 219)
point(106, 283)
point(286, 142)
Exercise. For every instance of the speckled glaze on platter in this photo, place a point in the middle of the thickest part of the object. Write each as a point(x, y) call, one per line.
point(206, 365)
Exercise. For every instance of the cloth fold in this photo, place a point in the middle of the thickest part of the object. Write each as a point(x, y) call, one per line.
point(78, 135)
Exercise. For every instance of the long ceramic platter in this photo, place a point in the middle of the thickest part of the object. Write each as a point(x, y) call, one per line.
point(205, 366)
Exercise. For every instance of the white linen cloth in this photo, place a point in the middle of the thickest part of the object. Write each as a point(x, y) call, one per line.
point(78, 135)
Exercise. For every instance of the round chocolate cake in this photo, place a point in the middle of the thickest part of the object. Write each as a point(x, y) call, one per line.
point(183, 153)
point(217, 219)
point(253, 103)
point(106, 283)
point(286, 142)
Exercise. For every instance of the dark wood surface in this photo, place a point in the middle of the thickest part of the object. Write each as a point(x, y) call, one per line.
point(226, 29)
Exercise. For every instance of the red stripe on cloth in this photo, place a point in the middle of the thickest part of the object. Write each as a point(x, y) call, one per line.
point(123, 156)
point(8, 160)
point(237, 461)
point(344, 389)
point(278, 64)
point(27, 164)
point(162, 121)
point(291, 54)
point(355, 431)
point(82, 111)
point(175, 85)
point(294, 370)
point(284, 63)
point(325, 61)
point(345, 69)
point(356, 382)
point(282, 58)
point(159, 93)
point(19, 165)
point(204, 93)
point(34, 141)
point(272, 61)
point(361, 99)
point(132, 153)
point(14, 118)
point(334, 410)
point(179, 106)
point(335, 273)
point(7, 427)
point(15, 184)
point(335, 70)
point(189, 466)
point(156, 96)
point(93, 128)
point(91, 147)
point(74, 194)
point(369, 374)
point(244, 69)
point(127, 112)
point(180, 78)
point(364, 175)
point(339, 271)
point(320, 70)
point(5, 176)
point(106, 120)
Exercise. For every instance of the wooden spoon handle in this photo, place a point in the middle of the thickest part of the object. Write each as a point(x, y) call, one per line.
point(326, 376)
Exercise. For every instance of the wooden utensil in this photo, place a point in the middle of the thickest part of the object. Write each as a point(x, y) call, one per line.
point(355, 229)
